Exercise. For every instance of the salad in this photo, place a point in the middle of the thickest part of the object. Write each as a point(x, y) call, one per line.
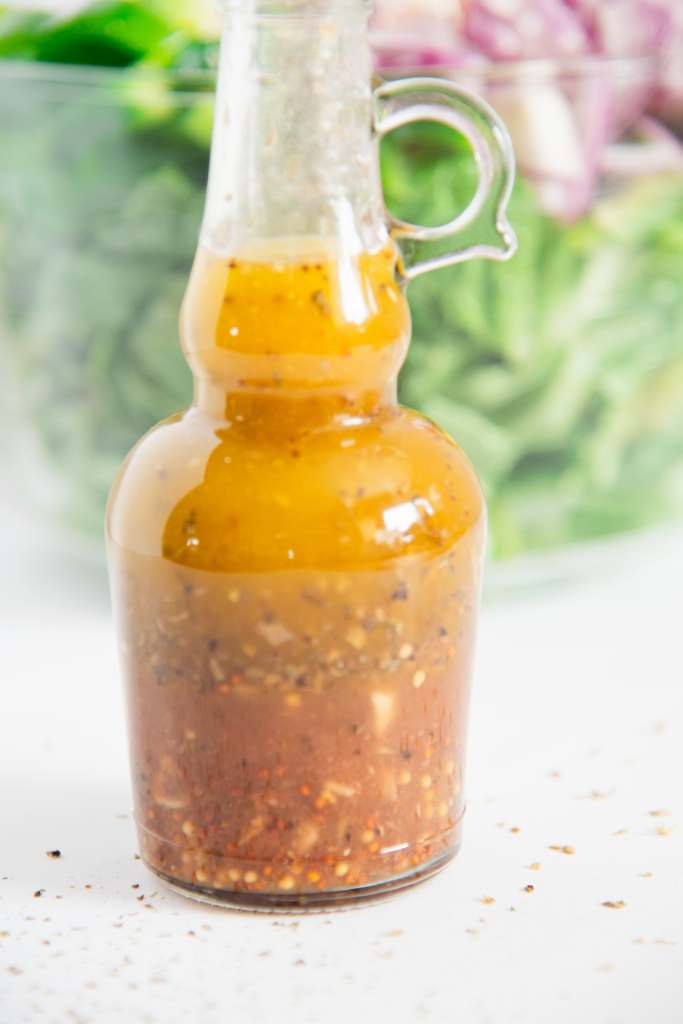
point(560, 373)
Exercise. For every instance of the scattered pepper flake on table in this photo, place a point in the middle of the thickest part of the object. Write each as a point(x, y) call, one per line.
point(529, 888)
point(54, 854)
point(614, 904)
point(569, 850)
point(487, 900)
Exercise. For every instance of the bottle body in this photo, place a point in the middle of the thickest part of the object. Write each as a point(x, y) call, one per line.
point(296, 579)
point(296, 559)
point(298, 738)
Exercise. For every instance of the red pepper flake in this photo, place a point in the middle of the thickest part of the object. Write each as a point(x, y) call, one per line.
point(569, 850)
point(613, 904)
point(54, 854)
point(529, 888)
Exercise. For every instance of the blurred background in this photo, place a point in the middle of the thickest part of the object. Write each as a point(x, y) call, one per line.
point(560, 373)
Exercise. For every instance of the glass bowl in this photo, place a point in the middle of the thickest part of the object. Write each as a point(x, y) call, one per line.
point(560, 373)
point(102, 177)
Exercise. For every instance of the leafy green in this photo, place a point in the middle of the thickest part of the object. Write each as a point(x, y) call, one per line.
point(567, 388)
point(561, 372)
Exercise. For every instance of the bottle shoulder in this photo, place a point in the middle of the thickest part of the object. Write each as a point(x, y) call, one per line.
point(217, 496)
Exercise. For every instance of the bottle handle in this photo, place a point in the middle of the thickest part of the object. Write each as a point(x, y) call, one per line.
point(435, 99)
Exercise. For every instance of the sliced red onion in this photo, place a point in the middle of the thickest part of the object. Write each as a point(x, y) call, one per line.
point(622, 28)
point(564, 126)
point(519, 29)
point(654, 150)
point(405, 50)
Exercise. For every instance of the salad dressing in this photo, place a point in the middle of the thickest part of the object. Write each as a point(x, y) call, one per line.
point(296, 567)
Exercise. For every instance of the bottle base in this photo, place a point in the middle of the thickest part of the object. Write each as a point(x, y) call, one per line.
point(302, 903)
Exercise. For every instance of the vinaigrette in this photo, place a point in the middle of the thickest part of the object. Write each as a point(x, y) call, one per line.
point(295, 559)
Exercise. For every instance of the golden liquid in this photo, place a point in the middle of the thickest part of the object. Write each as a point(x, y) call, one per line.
point(296, 571)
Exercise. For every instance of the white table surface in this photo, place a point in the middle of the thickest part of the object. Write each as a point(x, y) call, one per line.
point(577, 737)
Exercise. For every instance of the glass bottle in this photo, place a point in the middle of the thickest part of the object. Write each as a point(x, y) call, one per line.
point(295, 560)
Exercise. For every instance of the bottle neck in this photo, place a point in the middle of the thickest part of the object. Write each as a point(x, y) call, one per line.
point(293, 153)
point(293, 311)
point(270, 414)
